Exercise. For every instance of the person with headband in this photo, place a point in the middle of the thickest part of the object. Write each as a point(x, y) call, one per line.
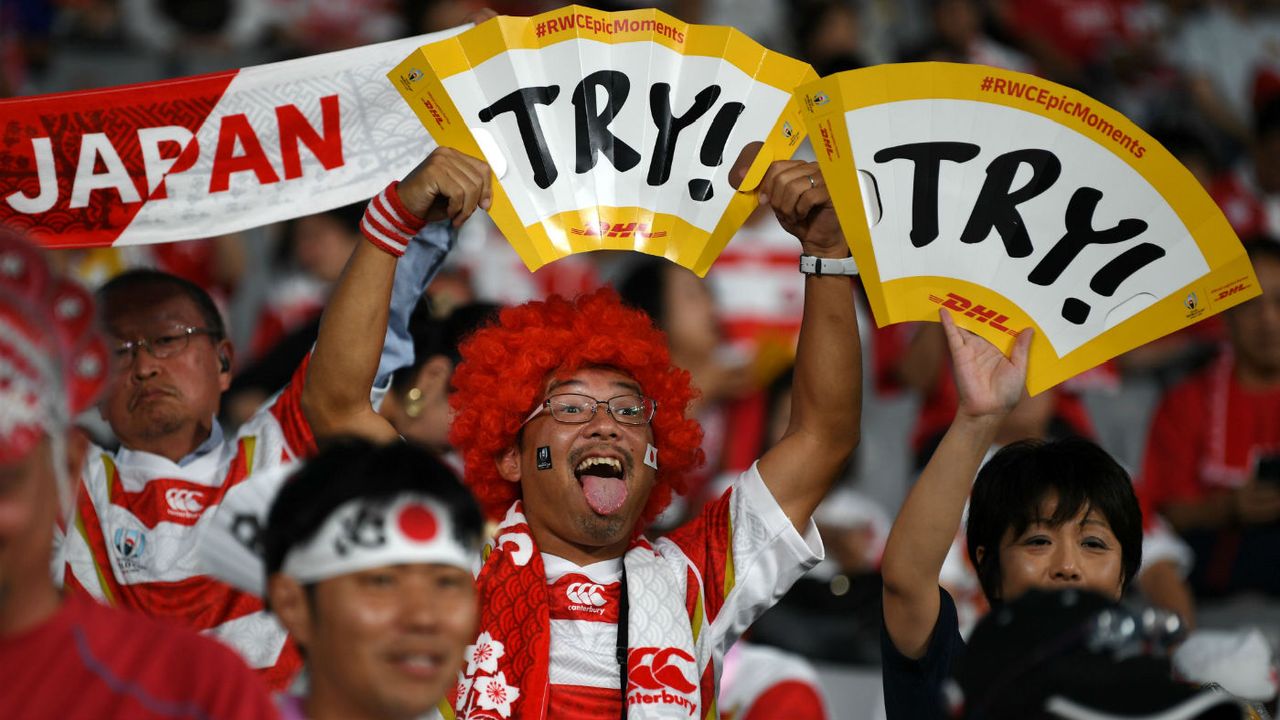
point(63, 655)
point(138, 526)
point(367, 555)
point(573, 426)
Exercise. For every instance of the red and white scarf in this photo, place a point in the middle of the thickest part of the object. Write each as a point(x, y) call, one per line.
point(507, 672)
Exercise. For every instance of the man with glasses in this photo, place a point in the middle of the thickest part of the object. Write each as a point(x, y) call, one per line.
point(573, 426)
point(133, 541)
point(64, 656)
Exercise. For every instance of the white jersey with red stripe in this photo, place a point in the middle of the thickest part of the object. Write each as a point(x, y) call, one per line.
point(139, 521)
point(764, 682)
point(737, 558)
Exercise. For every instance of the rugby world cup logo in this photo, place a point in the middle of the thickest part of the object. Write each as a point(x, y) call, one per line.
point(129, 544)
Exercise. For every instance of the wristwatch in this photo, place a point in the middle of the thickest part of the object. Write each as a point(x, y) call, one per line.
point(811, 265)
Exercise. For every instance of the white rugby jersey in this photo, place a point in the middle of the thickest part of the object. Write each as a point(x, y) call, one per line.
point(139, 518)
point(738, 557)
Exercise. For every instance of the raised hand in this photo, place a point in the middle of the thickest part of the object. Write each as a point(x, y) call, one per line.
point(989, 384)
point(448, 184)
point(799, 198)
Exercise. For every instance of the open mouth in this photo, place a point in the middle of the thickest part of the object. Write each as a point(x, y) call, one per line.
point(423, 666)
point(603, 483)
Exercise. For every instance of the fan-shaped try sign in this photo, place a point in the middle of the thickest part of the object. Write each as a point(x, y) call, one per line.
point(1016, 202)
point(609, 131)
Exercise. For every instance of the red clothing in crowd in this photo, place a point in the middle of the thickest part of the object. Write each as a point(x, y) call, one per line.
point(134, 540)
point(97, 663)
point(1208, 435)
point(1083, 30)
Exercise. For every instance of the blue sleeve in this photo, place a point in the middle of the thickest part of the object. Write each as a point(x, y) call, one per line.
point(913, 688)
point(413, 272)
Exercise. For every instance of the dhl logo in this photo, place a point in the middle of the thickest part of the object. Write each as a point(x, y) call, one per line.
point(1231, 291)
point(965, 306)
point(618, 230)
point(435, 114)
point(828, 144)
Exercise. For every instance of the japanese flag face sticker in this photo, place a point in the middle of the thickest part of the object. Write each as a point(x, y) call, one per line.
point(651, 456)
point(1013, 202)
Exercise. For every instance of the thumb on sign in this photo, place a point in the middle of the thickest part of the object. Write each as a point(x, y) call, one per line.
point(749, 168)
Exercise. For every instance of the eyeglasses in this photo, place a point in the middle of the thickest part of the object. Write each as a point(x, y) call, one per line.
point(160, 346)
point(575, 408)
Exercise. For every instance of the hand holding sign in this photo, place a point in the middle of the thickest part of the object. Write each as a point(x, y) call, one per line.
point(1015, 202)
point(447, 184)
point(989, 384)
point(798, 196)
point(608, 130)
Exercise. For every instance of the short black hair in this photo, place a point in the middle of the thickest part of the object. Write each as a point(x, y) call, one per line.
point(644, 287)
point(1266, 119)
point(146, 277)
point(348, 469)
point(1016, 480)
point(434, 336)
point(1261, 246)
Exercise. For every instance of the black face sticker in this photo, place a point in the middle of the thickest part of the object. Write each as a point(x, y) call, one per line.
point(544, 458)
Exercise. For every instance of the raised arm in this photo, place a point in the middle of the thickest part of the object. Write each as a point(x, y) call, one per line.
point(826, 405)
point(989, 386)
point(448, 185)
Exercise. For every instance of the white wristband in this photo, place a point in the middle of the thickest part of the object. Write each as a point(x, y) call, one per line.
point(811, 265)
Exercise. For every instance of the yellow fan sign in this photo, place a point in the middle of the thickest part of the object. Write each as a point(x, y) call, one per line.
point(1015, 202)
point(609, 131)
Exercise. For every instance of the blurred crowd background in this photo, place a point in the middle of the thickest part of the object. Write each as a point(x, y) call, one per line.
point(1202, 76)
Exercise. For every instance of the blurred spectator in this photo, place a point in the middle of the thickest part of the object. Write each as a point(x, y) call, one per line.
point(832, 613)
point(418, 402)
point(764, 683)
point(65, 656)
point(958, 36)
point(184, 26)
point(1249, 194)
point(25, 26)
point(829, 35)
point(764, 20)
point(426, 16)
point(308, 27)
point(309, 261)
point(1221, 51)
point(1075, 41)
point(1213, 458)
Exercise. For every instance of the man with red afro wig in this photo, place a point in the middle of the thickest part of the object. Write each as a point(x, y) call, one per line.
point(571, 420)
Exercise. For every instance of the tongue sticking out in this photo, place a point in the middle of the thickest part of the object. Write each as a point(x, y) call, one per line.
point(604, 494)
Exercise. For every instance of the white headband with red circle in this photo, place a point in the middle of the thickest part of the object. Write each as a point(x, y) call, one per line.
point(363, 534)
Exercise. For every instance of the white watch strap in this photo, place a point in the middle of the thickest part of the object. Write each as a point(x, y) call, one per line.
point(811, 265)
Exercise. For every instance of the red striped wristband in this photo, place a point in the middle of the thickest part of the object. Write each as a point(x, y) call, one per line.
point(388, 224)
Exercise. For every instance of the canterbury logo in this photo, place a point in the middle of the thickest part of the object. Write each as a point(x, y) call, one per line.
point(586, 594)
point(184, 502)
point(653, 668)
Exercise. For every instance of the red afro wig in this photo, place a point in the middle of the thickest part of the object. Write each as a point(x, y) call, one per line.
point(505, 368)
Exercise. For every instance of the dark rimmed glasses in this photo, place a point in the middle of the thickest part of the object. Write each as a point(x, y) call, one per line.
point(575, 408)
point(163, 346)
